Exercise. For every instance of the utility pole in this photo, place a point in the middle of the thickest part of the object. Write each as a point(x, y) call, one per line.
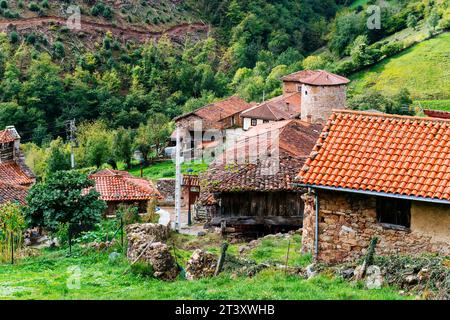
point(178, 180)
point(71, 131)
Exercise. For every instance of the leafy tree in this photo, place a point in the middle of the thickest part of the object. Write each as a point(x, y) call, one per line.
point(95, 144)
point(433, 20)
point(153, 135)
point(58, 157)
point(123, 146)
point(66, 197)
point(411, 21)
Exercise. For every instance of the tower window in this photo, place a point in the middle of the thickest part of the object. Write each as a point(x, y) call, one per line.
point(253, 122)
point(306, 93)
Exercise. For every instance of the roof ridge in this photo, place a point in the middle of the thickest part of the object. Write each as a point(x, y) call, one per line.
point(388, 115)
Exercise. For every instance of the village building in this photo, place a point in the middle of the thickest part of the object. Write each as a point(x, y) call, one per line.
point(307, 94)
point(215, 118)
point(15, 176)
point(121, 188)
point(253, 192)
point(377, 175)
point(437, 114)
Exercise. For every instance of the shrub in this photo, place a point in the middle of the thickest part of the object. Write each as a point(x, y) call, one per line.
point(391, 49)
point(3, 4)
point(33, 6)
point(31, 38)
point(58, 50)
point(167, 173)
point(14, 37)
point(128, 214)
point(45, 4)
point(345, 68)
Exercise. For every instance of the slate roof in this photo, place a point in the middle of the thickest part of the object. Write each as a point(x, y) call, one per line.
point(279, 108)
point(316, 78)
point(388, 154)
point(11, 193)
point(115, 185)
point(13, 173)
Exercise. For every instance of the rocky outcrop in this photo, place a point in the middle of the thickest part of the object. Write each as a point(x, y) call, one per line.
point(158, 255)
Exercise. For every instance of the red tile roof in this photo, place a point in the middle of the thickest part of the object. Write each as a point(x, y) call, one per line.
point(279, 108)
point(12, 173)
point(437, 114)
point(214, 112)
point(296, 139)
point(316, 78)
point(11, 193)
point(6, 136)
point(388, 154)
point(115, 185)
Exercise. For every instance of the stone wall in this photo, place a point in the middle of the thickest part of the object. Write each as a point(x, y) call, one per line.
point(167, 189)
point(347, 222)
point(319, 101)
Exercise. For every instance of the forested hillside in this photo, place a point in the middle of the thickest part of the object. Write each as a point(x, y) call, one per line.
point(132, 59)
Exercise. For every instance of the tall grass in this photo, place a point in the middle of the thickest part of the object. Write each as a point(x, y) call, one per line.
point(12, 225)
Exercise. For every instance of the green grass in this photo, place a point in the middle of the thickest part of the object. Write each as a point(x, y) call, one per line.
point(166, 169)
point(47, 276)
point(433, 104)
point(422, 69)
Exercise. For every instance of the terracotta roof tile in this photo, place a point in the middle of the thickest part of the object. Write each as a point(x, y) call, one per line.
point(6, 136)
point(437, 114)
point(13, 173)
point(296, 140)
point(279, 108)
point(11, 193)
point(316, 78)
point(216, 111)
point(115, 185)
point(384, 153)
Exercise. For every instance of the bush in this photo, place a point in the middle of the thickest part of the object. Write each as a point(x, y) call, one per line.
point(14, 37)
point(58, 50)
point(31, 38)
point(3, 4)
point(33, 6)
point(391, 49)
point(345, 68)
point(45, 4)
point(128, 214)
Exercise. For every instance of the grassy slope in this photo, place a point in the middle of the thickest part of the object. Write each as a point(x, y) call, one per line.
point(166, 169)
point(423, 69)
point(46, 277)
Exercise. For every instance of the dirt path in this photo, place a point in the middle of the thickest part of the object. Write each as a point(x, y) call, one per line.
point(95, 26)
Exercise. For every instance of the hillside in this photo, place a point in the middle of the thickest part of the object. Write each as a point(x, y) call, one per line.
point(423, 69)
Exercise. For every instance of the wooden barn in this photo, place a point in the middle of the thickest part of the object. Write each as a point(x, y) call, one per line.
point(254, 193)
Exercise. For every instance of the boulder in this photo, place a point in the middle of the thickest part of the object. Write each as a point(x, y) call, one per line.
point(310, 272)
point(202, 264)
point(374, 279)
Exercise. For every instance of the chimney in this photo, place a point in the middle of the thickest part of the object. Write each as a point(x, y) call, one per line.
point(12, 130)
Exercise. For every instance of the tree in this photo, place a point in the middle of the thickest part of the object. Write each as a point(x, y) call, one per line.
point(58, 157)
point(433, 20)
point(95, 144)
point(123, 146)
point(153, 134)
point(360, 52)
point(411, 21)
point(66, 197)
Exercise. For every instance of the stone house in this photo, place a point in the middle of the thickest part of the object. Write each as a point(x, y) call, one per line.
point(307, 94)
point(120, 187)
point(380, 175)
point(15, 176)
point(321, 91)
point(253, 192)
point(213, 119)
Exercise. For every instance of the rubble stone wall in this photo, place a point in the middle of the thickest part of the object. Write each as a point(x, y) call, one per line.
point(319, 101)
point(167, 189)
point(347, 222)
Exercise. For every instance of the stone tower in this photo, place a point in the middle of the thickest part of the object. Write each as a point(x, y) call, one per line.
point(321, 92)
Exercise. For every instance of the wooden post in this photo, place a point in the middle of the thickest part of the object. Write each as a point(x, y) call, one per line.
point(12, 248)
point(223, 251)
point(287, 257)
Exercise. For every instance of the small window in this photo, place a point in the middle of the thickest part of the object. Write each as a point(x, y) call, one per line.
point(299, 88)
point(253, 122)
point(265, 121)
point(233, 120)
point(306, 93)
point(395, 212)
